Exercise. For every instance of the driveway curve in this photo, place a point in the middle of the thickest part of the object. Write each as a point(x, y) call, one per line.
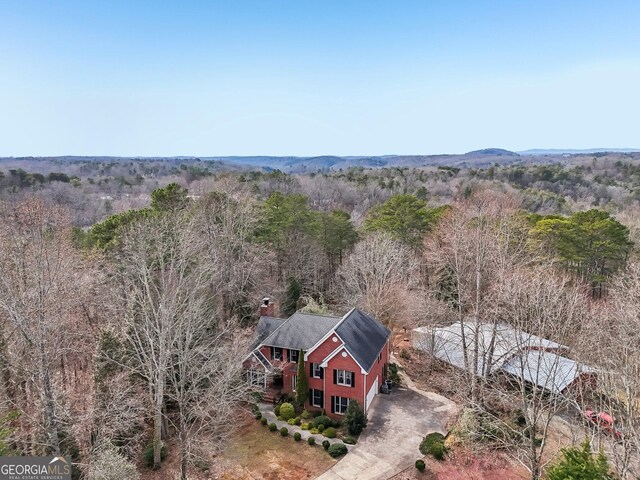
point(397, 424)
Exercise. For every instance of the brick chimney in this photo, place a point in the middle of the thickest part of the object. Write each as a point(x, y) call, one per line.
point(267, 308)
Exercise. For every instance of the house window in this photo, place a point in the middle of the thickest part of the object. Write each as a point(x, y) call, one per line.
point(293, 356)
point(294, 382)
point(256, 378)
point(343, 377)
point(316, 370)
point(276, 353)
point(340, 405)
point(316, 398)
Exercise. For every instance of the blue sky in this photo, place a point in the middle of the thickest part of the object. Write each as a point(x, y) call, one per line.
point(316, 77)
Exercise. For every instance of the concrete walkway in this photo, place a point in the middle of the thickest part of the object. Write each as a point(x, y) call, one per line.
point(267, 412)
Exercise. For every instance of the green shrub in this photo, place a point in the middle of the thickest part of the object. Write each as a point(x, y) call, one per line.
point(284, 431)
point(348, 439)
point(291, 421)
point(314, 431)
point(305, 414)
point(147, 453)
point(276, 410)
point(320, 428)
point(311, 441)
point(337, 450)
point(273, 427)
point(298, 421)
point(354, 419)
point(322, 420)
point(433, 444)
point(279, 418)
point(304, 426)
point(297, 436)
point(258, 416)
point(329, 432)
point(336, 423)
point(420, 465)
point(263, 420)
point(579, 462)
point(287, 411)
point(393, 374)
point(326, 444)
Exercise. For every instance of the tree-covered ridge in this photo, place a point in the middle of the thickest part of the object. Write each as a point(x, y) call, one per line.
point(591, 244)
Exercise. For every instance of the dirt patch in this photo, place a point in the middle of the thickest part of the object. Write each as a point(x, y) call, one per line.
point(463, 465)
point(256, 453)
point(430, 374)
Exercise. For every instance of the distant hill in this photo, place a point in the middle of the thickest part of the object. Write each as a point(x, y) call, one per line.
point(482, 158)
point(493, 151)
point(573, 151)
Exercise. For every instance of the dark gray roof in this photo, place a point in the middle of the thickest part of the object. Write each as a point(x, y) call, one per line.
point(266, 326)
point(363, 337)
point(301, 331)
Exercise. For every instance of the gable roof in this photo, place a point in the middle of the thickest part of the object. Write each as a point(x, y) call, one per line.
point(266, 326)
point(545, 369)
point(496, 343)
point(363, 337)
point(301, 331)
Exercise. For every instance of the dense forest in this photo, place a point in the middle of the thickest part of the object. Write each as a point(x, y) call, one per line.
point(129, 289)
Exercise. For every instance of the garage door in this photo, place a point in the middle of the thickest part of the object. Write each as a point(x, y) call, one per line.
point(372, 393)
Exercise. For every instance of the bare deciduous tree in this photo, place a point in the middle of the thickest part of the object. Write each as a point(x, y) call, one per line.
point(382, 277)
point(42, 288)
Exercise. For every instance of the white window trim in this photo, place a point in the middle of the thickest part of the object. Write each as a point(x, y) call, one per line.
point(316, 365)
point(344, 383)
point(294, 382)
point(336, 403)
point(313, 399)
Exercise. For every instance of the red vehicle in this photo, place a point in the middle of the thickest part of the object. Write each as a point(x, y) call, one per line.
point(605, 422)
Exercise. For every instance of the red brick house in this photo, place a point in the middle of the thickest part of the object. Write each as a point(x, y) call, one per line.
point(344, 357)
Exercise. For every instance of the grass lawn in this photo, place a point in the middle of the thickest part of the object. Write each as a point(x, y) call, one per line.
point(258, 453)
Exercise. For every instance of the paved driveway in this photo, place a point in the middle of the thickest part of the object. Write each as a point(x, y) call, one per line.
point(397, 424)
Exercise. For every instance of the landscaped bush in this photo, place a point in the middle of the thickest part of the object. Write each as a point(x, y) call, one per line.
point(322, 420)
point(287, 411)
point(311, 441)
point(147, 453)
point(279, 418)
point(329, 432)
point(298, 421)
point(263, 420)
point(433, 444)
point(276, 410)
point(336, 423)
point(273, 427)
point(314, 431)
point(348, 439)
point(305, 414)
point(291, 421)
point(297, 436)
point(326, 444)
point(304, 426)
point(258, 416)
point(354, 419)
point(337, 450)
point(420, 465)
point(393, 374)
point(284, 431)
point(320, 428)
